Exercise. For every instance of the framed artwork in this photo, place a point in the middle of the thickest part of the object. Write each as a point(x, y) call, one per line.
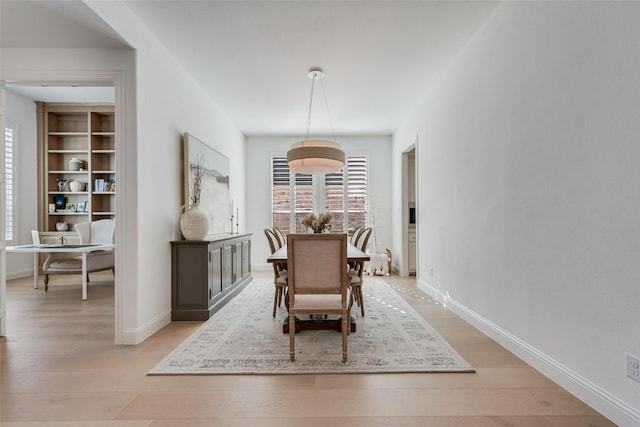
point(71, 207)
point(60, 202)
point(80, 206)
point(214, 193)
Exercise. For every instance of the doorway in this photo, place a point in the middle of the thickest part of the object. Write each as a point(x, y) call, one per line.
point(410, 212)
point(18, 109)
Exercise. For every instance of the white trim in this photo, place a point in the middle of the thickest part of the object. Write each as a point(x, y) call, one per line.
point(119, 79)
point(20, 274)
point(138, 335)
point(261, 267)
point(599, 399)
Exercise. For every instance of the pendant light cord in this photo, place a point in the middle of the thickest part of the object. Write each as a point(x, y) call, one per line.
point(306, 135)
point(326, 103)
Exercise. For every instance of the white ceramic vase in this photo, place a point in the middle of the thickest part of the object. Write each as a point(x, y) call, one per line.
point(76, 186)
point(194, 222)
point(75, 164)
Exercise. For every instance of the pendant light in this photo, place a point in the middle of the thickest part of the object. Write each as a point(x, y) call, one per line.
point(315, 156)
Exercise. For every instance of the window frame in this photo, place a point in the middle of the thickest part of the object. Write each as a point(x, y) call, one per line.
point(9, 190)
point(319, 188)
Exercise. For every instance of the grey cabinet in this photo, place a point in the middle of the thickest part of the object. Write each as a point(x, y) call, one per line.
point(206, 274)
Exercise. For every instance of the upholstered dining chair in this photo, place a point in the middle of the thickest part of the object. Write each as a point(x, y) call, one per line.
point(318, 280)
point(279, 271)
point(90, 233)
point(356, 271)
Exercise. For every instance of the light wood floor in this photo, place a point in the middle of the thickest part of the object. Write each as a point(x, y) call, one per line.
point(59, 367)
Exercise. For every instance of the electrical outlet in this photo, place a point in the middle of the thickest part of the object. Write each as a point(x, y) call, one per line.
point(632, 364)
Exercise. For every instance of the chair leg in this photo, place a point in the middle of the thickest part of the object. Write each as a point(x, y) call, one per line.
point(46, 282)
point(345, 332)
point(361, 301)
point(275, 302)
point(292, 336)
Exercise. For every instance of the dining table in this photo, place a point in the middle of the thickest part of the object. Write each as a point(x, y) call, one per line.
point(354, 255)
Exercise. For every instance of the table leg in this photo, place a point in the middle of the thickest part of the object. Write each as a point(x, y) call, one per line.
point(84, 276)
point(35, 270)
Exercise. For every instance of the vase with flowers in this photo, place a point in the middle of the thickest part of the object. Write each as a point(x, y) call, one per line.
point(194, 221)
point(320, 223)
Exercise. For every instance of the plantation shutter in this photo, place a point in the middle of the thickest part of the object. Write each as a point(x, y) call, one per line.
point(9, 164)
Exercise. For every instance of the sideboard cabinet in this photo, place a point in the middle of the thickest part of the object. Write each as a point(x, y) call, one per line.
point(206, 274)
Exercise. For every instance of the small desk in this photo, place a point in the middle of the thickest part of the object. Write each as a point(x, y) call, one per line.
point(80, 249)
point(353, 255)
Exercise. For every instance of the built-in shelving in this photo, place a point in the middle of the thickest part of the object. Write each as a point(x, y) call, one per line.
point(85, 132)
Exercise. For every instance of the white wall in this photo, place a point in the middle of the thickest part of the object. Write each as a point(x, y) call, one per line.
point(21, 112)
point(169, 103)
point(158, 101)
point(528, 161)
point(260, 150)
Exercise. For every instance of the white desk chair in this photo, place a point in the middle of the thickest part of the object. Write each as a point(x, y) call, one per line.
point(91, 233)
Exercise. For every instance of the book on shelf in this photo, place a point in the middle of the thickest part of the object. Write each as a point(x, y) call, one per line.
point(101, 185)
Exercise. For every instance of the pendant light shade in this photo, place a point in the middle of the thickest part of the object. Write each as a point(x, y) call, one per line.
point(315, 156)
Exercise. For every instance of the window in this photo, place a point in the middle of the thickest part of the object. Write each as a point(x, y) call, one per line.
point(9, 170)
point(283, 197)
point(357, 192)
point(344, 194)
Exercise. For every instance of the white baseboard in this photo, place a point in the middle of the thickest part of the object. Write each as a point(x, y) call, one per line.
point(138, 335)
point(19, 274)
point(261, 267)
point(599, 399)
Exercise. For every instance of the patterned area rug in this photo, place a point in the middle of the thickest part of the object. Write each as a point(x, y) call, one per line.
point(244, 338)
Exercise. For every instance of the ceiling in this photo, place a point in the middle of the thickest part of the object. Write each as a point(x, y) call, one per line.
point(252, 57)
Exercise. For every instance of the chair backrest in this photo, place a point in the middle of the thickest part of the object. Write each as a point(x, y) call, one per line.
point(281, 239)
point(363, 239)
point(317, 263)
point(96, 232)
point(272, 239)
point(355, 235)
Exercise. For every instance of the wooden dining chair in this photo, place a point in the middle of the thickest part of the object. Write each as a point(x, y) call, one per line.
point(279, 271)
point(318, 280)
point(357, 269)
point(355, 235)
point(282, 240)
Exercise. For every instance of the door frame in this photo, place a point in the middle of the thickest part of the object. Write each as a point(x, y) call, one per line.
point(78, 78)
point(404, 264)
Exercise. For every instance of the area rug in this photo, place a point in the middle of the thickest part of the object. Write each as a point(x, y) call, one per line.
point(244, 338)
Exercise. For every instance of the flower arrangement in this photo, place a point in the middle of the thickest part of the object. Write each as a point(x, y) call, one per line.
point(320, 223)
